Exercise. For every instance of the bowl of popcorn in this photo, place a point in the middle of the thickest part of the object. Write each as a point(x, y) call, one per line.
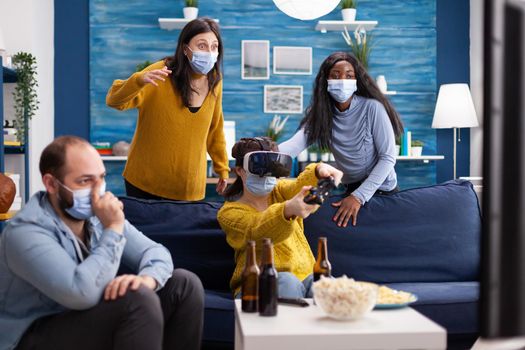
point(344, 298)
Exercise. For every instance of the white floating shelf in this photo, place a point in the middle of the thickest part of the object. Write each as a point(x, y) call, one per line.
point(114, 158)
point(424, 159)
point(175, 23)
point(390, 93)
point(324, 26)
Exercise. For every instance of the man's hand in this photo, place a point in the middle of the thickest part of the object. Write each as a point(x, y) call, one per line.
point(324, 170)
point(108, 209)
point(151, 76)
point(121, 284)
point(221, 186)
point(297, 207)
point(348, 208)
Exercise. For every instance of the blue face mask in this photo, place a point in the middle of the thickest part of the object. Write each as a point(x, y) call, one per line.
point(203, 62)
point(260, 186)
point(81, 209)
point(341, 89)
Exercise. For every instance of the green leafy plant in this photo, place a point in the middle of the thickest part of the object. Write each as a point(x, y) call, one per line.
point(348, 4)
point(191, 3)
point(276, 127)
point(417, 143)
point(143, 65)
point(360, 44)
point(25, 96)
point(314, 148)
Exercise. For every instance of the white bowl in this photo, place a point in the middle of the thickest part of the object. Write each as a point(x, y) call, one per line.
point(343, 298)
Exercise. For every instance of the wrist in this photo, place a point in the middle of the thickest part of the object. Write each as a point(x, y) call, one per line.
point(118, 228)
point(357, 199)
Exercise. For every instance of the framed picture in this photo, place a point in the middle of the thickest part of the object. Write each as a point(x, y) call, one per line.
point(292, 60)
point(283, 99)
point(255, 59)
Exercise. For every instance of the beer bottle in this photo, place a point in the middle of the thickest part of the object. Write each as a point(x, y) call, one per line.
point(250, 280)
point(268, 282)
point(322, 266)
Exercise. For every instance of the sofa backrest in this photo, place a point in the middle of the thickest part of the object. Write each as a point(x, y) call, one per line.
point(191, 233)
point(428, 234)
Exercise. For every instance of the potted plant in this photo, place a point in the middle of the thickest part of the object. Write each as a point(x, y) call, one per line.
point(191, 10)
point(276, 127)
point(360, 44)
point(25, 96)
point(348, 10)
point(398, 145)
point(303, 156)
point(417, 148)
point(313, 150)
point(325, 154)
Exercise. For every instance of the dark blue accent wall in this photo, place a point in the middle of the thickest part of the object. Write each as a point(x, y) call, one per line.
point(72, 68)
point(453, 66)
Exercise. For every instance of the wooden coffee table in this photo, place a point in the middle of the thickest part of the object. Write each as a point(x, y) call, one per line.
point(309, 328)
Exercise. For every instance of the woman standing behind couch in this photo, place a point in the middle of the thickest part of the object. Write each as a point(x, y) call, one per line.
point(260, 207)
point(180, 118)
point(350, 116)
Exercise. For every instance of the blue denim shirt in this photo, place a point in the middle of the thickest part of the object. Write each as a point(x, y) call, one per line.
point(42, 271)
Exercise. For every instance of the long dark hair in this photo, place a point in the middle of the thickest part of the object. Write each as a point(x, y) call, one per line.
point(241, 147)
point(180, 66)
point(318, 120)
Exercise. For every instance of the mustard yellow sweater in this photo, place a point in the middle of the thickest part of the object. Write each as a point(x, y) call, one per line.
point(242, 223)
point(167, 157)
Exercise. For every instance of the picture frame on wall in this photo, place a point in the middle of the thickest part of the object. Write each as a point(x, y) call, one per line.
point(255, 59)
point(283, 99)
point(292, 60)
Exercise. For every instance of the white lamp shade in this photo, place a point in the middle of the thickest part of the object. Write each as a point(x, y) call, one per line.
point(306, 9)
point(454, 108)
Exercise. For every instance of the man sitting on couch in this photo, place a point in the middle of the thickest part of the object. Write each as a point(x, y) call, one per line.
point(58, 264)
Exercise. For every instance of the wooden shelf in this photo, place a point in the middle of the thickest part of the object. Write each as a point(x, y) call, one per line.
point(114, 158)
point(175, 23)
point(324, 26)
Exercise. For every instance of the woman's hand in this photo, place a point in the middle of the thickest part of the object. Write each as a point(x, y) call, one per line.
point(324, 170)
point(296, 207)
point(151, 76)
point(221, 186)
point(348, 208)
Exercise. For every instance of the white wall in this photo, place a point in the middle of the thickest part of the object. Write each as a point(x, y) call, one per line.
point(476, 84)
point(28, 25)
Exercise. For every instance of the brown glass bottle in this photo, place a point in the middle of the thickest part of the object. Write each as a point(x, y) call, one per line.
point(322, 266)
point(267, 282)
point(250, 280)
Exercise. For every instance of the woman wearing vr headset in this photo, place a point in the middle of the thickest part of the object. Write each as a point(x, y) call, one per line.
point(180, 118)
point(259, 206)
point(350, 115)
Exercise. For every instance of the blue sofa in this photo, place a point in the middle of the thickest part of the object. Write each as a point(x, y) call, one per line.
point(423, 240)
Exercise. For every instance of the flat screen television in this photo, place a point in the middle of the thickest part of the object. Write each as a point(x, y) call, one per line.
point(502, 293)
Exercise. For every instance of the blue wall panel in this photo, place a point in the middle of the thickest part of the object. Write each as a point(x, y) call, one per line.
point(123, 34)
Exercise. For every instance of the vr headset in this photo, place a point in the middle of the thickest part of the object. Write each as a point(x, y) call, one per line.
point(265, 163)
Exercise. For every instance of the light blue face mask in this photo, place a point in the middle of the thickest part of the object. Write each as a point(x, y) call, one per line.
point(81, 209)
point(260, 186)
point(341, 89)
point(202, 62)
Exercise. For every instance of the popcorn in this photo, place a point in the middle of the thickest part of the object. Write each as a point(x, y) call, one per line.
point(343, 298)
point(392, 296)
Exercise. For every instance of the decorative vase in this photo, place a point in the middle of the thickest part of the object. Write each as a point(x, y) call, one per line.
point(381, 83)
point(303, 156)
point(416, 151)
point(190, 12)
point(312, 156)
point(348, 14)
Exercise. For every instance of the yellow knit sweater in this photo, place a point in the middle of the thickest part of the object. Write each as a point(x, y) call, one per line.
point(242, 223)
point(167, 157)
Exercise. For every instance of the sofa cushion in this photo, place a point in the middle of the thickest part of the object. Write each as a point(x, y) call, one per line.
point(428, 234)
point(218, 317)
point(190, 231)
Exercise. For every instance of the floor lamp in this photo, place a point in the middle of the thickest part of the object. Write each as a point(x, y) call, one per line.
point(454, 109)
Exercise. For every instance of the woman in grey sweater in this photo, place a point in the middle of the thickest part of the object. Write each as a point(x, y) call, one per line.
point(349, 115)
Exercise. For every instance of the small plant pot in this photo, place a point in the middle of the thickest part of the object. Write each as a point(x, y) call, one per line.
point(303, 156)
point(416, 151)
point(398, 149)
point(348, 15)
point(325, 157)
point(190, 12)
point(332, 157)
point(312, 156)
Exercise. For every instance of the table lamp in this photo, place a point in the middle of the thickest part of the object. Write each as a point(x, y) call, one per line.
point(454, 109)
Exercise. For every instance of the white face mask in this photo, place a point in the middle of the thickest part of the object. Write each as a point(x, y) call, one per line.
point(260, 186)
point(81, 209)
point(341, 89)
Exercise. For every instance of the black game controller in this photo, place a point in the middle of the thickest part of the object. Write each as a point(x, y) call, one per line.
point(318, 194)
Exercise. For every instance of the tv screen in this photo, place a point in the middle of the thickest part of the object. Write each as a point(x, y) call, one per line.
point(503, 239)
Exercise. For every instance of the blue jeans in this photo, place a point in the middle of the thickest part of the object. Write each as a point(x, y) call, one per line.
point(289, 286)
